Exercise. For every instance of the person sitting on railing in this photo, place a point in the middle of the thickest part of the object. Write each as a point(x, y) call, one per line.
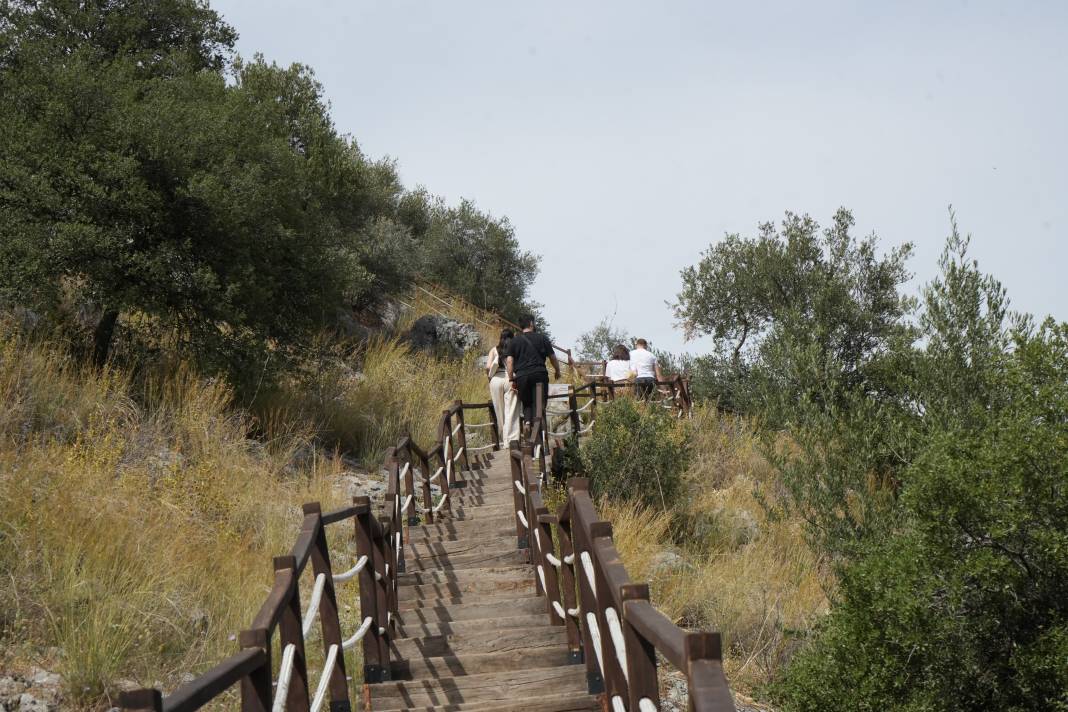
point(505, 402)
point(526, 367)
point(619, 369)
point(648, 370)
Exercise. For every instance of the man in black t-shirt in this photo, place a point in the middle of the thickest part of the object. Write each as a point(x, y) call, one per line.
point(526, 366)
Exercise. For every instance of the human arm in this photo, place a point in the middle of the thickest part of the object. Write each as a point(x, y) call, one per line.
point(556, 365)
point(492, 363)
point(509, 367)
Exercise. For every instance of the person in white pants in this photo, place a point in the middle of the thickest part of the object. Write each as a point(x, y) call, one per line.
point(505, 400)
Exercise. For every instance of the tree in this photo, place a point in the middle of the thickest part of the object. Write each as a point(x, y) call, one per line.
point(230, 219)
point(597, 343)
point(795, 314)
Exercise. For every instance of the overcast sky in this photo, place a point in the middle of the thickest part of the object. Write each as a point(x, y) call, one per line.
point(622, 138)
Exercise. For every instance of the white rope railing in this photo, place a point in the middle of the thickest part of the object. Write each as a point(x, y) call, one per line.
point(541, 576)
point(521, 488)
point(573, 612)
point(435, 475)
point(570, 559)
point(617, 704)
point(313, 606)
point(404, 470)
point(559, 610)
point(457, 428)
point(552, 559)
point(537, 451)
point(647, 705)
point(343, 577)
point(459, 454)
point(324, 679)
point(407, 503)
point(616, 631)
point(588, 428)
point(358, 635)
point(471, 426)
point(522, 518)
point(441, 504)
point(285, 673)
point(589, 404)
point(587, 566)
point(481, 448)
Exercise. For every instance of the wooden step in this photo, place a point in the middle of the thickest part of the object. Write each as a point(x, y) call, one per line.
point(501, 642)
point(569, 702)
point(425, 630)
point(418, 668)
point(463, 576)
point(487, 558)
point(479, 545)
point(491, 586)
point(481, 687)
point(511, 606)
point(489, 528)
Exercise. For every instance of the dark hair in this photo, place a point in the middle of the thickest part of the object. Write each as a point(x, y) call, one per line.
point(502, 343)
point(641, 342)
point(527, 320)
point(620, 353)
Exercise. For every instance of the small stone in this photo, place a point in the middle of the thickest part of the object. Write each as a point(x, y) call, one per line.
point(186, 677)
point(10, 687)
point(666, 560)
point(29, 703)
point(40, 676)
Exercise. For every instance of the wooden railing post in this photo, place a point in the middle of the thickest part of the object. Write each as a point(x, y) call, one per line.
point(445, 440)
point(379, 548)
point(587, 597)
point(703, 654)
point(142, 700)
point(551, 583)
point(641, 655)
point(256, 689)
point(518, 498)
point(328, 613)
point(615, 680)
point(459, 405)
point(567, 584)
point(428, 498)
point(409, 485)
point(291, 631)
point(572, 404)
point(373, 663)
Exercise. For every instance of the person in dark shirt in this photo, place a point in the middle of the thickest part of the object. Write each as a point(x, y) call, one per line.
point(526, 366)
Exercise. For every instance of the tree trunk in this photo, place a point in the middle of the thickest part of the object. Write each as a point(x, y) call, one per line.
point(105, 330)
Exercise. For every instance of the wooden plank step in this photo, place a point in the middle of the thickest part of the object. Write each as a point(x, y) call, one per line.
point(478, 545)
point(475, 663)
point(504, 641)
point(480, 687)
point(489, 528)
point(545, 703)
point(470, 598)
point(487, 558)
point(513, 605)
point(425, 630)
point(461, 576)
point(494, 586)
point(460, 512)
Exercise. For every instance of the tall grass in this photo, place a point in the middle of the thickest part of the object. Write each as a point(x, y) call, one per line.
point(137, 520)
point(727, 556)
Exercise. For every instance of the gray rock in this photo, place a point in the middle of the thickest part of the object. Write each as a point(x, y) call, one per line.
point(441, 336)
point(40, 676)
point(29, 703)
point(667, 560)
point(186, 677)
point(11, 687)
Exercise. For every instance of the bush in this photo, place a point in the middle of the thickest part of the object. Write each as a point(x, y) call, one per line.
point(637, 453)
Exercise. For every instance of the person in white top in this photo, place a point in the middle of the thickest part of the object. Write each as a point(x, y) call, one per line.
point(646, 367)
point(505, 401)
point(618, 369)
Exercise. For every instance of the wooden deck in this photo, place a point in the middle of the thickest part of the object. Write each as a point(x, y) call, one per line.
point(471, 632)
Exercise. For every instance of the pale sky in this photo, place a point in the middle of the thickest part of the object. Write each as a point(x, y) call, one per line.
point(622, 138)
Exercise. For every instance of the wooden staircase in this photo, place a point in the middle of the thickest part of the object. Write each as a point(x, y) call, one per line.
point(471, 633)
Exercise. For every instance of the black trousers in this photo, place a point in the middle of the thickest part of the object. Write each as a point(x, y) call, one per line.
point(644, 387)
point(526, 385)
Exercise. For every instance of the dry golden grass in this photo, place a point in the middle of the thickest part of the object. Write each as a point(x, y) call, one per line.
point(137, 523)
point(749, 575)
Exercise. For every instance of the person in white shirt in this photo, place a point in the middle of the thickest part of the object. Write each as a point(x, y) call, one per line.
point(644, 364)
point(618, 369)
point(505, 401)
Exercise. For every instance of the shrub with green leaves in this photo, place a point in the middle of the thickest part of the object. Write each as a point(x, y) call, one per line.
point(636, 452)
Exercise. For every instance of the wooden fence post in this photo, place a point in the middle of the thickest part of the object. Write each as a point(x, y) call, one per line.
point(495, 427)
point(587, 597)
point(328, 613)
point(572, 404)
point(379, 544)
point(428, 498)
point(615, 679)
point(373, 664)
point(551, 584)
point(291, 631)
point(567, 583)
point(256, 690)
point(459, 405)
point(641, 655)
point(518, 499)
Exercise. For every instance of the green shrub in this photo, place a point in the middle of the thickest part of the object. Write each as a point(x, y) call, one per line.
point(637, 452)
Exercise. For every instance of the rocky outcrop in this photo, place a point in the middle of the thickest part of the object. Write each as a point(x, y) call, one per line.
point(442, 336)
